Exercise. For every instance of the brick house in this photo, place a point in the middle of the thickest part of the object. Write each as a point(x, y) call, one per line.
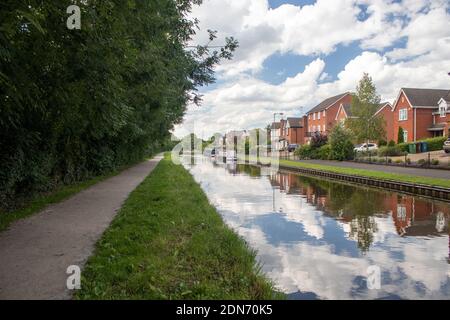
point(292, 131)
point(421, 113)
point(384, 110)
point(323, 117)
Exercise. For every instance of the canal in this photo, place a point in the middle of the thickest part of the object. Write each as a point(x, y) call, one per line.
point(321, 239)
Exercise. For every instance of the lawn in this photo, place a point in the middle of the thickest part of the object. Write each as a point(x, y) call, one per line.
point(369, 173)
point(168, 242)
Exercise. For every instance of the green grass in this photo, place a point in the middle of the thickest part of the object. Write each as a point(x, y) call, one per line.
point(40, 201)
point(168, 242)
point(369, 173)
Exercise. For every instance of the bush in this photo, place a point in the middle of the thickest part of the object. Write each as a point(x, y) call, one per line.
point(400, 137)
point(341, 144)
point(391, 143)
point(398, 161)
point(435, 162)
point(389, 152)
point(435, 144)
point(308, 152)
point(403, 147)
point(318, 139)
point(323, 153)
point(304, 151)
point(382, 143)
point(421, 162)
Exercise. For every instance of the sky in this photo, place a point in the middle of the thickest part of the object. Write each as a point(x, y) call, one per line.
point(294, 53)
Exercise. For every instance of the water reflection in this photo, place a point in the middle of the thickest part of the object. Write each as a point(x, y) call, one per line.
point(316, 238)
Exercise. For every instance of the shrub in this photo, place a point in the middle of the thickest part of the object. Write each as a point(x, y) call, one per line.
point(435, 162)
point(421, 162)
point(341, 144)
point(403, 147)
point(323, 152)
point(398, 161)
point(382, 143)
point(389, 160)
point(304, 151)
point(408, 161)
point(390, 152)
point(435, 144)
point(400, 137)
point(318, 139)
point(391, 143)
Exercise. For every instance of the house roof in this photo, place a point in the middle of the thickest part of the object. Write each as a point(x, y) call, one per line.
point(348, 108)
point(275, 125)
point(294, 122)
point(425, 97)
point(327, 103)
point(437, 127)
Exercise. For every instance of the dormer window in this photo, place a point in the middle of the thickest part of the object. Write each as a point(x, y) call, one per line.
point(443, 107)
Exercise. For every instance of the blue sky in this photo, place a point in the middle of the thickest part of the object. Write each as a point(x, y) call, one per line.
point(296, 53)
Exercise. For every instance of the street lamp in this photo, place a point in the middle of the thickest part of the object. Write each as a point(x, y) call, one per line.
point(277, 113)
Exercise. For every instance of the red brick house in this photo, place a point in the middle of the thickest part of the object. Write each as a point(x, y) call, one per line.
point(292, 131)
point(323, 117)
point(384, 110)
point(421, 113)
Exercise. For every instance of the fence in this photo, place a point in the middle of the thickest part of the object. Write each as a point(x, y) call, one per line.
point(435, 159)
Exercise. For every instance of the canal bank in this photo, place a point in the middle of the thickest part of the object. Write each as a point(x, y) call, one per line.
point(424, 185)
point(169, 242)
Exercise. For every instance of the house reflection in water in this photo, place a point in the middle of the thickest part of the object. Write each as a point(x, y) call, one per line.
point(357, 207)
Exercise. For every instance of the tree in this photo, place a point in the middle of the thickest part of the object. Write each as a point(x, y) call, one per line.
point(341, 144)
point(318, 139)
point(401, 135)
point(77, 103)
point(365, 103)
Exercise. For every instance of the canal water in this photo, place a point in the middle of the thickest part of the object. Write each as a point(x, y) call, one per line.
point(322, 239)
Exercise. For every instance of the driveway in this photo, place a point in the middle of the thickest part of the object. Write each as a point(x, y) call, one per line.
point(36, 252)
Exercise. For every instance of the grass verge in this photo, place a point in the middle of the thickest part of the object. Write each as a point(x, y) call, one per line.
point(168, 242)
point(370, 173)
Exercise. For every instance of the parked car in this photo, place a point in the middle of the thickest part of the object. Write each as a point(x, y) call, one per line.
point(366, 147)
point(447, 146)
point(292, 147)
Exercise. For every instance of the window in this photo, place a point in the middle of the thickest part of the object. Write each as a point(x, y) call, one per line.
point(318, 128)
point(442, 109)
point(403, 114)
point(314, 128)
point(309, 117)
point(323, 113)
point(318, 116)
point(314, 116)
point(405, 136)
point(324, 127)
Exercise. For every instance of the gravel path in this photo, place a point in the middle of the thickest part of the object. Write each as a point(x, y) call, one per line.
point(35, 252)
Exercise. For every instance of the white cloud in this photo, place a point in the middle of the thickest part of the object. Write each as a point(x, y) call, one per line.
point(244, 101)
